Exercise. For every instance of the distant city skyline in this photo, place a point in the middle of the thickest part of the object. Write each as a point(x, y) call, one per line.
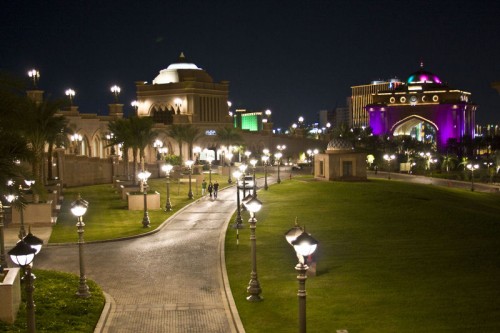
point(295, 59)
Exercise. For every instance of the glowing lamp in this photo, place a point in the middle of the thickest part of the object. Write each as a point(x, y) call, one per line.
point(22, 254)
point(79, 206)
point(305, 244)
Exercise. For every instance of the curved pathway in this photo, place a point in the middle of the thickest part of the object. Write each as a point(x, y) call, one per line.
point(171, 281)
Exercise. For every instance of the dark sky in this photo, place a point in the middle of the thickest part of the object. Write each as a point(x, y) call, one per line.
point(293, 57)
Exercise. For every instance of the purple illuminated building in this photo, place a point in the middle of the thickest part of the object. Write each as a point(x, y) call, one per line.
point(424, 108)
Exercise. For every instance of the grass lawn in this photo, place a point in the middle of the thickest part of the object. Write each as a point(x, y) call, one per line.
point(392, 257)
point(107, 216)
point(58, 309)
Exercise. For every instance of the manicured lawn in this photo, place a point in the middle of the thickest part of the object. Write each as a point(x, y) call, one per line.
point(392, 257)
point(58, 309)
point(107, 216)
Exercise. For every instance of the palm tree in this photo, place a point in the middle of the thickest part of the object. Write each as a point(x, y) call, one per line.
point(13, 148)
point(55, 138)
point(143, 134)
point(191, 135)
point(38, 124)
point(177, 132)
point(122, 135)
point(448, 162)
point(229, 136)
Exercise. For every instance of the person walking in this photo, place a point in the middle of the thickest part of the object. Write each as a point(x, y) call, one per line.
point(216, 189)
point(210, 189)
point(203, 187)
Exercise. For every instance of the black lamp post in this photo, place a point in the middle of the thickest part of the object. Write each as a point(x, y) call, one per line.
point(167, 168)
point(14, 200)
point(265, 160)
point(253, 289)
point(304, 246)
point(238, 222)
point(278, 156)
point(472, 167)
point(243, 169)
point(389, 158)
point(22, 255)
point(3, 260)
point(79, 208)
point(189, 164)
point(143, 176)
point(278, 161)
point(253, 162)
point(229, 156)
point(210, 160)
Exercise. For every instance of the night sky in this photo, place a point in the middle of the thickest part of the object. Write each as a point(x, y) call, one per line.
point(293, 57)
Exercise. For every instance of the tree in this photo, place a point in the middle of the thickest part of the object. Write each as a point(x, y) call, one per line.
point(449, 161)
point(142, 134)
point(122, 135)
point(228, 136)
point(38, 124)
point(177, 132)
point(191, 135)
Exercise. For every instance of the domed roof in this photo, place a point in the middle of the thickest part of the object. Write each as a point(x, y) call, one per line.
point(339, 144)
point(180, 70)
point(422, 76)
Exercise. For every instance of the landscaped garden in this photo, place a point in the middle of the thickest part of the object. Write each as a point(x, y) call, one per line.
point(392, 257)
point(58, 309)
point(108, 217)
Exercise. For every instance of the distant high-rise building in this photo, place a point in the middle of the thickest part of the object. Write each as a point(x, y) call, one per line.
point(362, 95)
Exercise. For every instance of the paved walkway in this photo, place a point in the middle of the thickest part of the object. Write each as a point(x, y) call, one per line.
point(171, 281)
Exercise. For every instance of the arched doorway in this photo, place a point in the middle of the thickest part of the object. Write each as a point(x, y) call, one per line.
point(418, 128)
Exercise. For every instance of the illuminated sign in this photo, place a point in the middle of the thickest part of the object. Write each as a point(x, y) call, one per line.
point(210, 132)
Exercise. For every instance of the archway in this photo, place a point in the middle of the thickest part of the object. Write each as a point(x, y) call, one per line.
point(417, 127)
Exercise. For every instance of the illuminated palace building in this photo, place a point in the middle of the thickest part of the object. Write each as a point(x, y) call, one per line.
point(183, 93)
point(422, 107)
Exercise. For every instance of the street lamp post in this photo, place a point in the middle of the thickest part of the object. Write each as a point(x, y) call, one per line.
point(389, 158)
point(253, 289)
point(71, 94)
point(77, 139)
point(3, 260)
point(312, 153)
point(13, 200)
point(278, 156)
point(472, 167)
point(22, 255)
point(79, 208)
point(158, 144)
point(253, 162)
point(243, 169)
point(238, 221)
point(35, 76)
point(229, 156)
point(167, 168)
point(135, 105)
point(265, 159)
point(210, 160)
point(197, 152)
point(278, 161)
point(247, 155)
point(304, 246)
point(189, 164)
point(143, 176)
point(116, 91)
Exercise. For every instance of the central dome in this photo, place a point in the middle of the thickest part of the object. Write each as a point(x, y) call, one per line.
point(422, 76)
point(178, 70)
